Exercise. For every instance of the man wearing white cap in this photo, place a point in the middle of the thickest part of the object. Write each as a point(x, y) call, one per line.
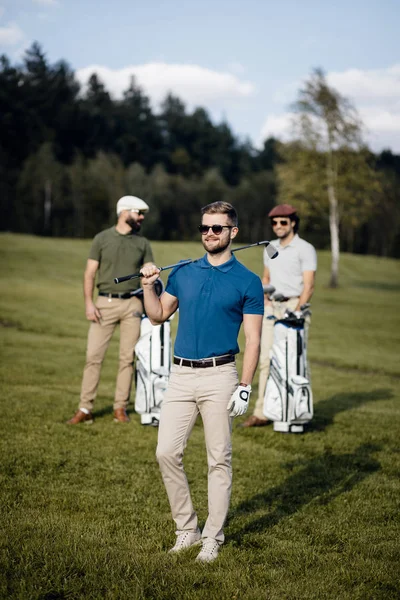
point(114, 251)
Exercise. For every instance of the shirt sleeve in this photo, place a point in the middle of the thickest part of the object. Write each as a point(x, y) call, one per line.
point(95, 249)
point(254, 298)
point(148, 253)
point(172, 287)
point(308, 258)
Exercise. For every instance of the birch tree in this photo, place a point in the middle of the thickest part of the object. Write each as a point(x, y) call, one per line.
point(327, 123)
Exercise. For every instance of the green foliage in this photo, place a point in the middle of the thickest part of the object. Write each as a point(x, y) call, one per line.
point(83, 510)
point(330, 176)
point(302, 183)
point(67, 154)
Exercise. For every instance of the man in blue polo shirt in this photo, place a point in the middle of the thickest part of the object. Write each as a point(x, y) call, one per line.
point(215, 295)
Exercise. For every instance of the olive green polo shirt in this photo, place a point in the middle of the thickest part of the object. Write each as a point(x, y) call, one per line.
point(119, 255)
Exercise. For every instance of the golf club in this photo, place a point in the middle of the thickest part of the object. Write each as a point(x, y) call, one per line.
point(137, 275)
point(271, 250)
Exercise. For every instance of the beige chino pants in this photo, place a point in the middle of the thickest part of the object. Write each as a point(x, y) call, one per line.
point(190, 392)
point(127, 313)
point(276, 309)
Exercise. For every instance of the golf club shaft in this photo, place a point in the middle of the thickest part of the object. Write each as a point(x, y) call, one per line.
point(271, 250)
point(137, 275)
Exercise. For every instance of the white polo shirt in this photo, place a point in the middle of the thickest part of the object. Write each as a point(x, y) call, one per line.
point(286, 270)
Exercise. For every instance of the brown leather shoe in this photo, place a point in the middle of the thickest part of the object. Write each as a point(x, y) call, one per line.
point(120, 416)
point(254, 421)
point(81, 417)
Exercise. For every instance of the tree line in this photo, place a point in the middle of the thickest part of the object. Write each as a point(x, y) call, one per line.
point(67, 154)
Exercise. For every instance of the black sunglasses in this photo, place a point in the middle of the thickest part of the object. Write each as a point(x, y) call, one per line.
point(217, 229)
point(279, 222)
point(141, 213)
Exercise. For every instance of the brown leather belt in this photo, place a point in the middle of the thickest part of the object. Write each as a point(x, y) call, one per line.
point(203, 363)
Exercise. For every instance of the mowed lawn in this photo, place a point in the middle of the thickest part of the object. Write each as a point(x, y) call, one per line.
point(83, 510)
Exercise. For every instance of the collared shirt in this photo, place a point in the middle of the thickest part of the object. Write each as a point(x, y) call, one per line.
point(212, 302)
point(286, 270)
point(119, 254)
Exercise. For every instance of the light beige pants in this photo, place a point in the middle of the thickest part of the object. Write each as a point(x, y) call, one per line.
point(190, 392)
point(276, 309)
point(127, 313)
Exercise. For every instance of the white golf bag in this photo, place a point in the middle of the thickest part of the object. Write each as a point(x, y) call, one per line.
point(153, 366)
point(288, 400)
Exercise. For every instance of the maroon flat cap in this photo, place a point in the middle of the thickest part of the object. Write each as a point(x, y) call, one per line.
point(282, 210)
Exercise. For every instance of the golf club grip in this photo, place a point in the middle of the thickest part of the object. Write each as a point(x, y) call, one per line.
point(126, 278)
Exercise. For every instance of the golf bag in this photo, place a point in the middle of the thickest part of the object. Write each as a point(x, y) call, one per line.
point(288, 400)
point(153, 366)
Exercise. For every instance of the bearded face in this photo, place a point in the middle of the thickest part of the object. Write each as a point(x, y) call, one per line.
point(216, 243)
point(134, 221)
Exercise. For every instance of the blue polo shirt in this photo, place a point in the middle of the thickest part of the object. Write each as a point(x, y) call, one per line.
point(212, 302)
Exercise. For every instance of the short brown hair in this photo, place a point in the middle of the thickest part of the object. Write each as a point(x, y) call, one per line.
point(221, 208)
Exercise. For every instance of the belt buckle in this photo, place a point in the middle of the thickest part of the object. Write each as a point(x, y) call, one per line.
point(110, 297)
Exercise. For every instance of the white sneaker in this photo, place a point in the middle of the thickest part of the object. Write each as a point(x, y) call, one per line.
point(209, 551)
point(185, 539)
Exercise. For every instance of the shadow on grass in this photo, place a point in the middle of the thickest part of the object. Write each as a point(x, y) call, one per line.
point(319, 481)
point(326, 410)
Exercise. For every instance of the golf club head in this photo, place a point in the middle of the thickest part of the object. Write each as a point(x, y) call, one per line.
point(268, 289)
point(271, 250)
point(278, 297)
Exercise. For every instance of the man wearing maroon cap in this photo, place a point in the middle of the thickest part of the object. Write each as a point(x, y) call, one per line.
point(292, 274)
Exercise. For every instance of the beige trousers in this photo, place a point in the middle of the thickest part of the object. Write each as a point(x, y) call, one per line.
point(190, 392)
point(127, 313)
point(276, 309)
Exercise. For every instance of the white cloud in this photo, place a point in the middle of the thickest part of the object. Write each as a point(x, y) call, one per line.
point(10, 35)
point(278, 126)
point(374, 93)
point(368, 86)
point(195, 85)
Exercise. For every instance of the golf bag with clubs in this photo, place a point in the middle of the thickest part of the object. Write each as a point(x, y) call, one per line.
point(288, 400)
point(153, 366)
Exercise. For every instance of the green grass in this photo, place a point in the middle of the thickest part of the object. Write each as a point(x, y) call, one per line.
point(83, 510)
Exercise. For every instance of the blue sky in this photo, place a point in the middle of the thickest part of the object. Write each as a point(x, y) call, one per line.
point(242, 60)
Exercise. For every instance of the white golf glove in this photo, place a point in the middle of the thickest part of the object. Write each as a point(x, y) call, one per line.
point(239, 402)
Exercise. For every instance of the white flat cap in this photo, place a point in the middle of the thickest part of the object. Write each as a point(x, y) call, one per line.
point(131, 203)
